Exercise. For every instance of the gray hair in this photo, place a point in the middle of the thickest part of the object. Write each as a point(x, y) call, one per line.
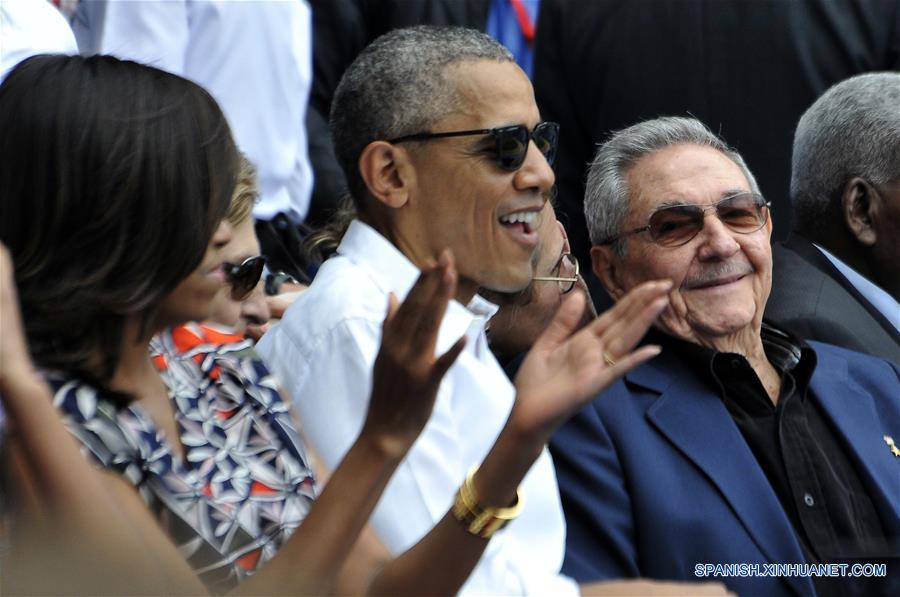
point(853, 129)
point(606, 194)
point(397, 86)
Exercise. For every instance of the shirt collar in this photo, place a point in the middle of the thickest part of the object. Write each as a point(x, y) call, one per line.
point(878, 297)
point(787, 353)
point(393, 272)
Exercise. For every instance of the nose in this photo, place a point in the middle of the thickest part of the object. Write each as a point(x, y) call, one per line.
point(535, 173)
point(717, 241)
point(222, 235)
point(255, 308)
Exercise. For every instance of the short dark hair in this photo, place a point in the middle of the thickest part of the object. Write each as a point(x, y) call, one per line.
point(398, 86)
point(115, 176)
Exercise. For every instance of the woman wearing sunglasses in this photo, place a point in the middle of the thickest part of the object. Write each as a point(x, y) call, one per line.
point(242, 308)
point(116, 179)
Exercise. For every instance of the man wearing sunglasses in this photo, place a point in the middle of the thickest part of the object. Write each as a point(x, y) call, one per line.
point(740, 443)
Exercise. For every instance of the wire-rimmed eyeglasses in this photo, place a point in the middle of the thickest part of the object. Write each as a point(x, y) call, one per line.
point(567, 264)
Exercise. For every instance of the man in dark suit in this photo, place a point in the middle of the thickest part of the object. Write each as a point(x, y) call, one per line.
point(837, 278)
point(740, 444)
point(746, 68)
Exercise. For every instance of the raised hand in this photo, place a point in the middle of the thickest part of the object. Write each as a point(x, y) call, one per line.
point(407, 373)
point(565, 369)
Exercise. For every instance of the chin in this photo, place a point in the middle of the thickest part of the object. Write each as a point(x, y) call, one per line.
point(509, 283)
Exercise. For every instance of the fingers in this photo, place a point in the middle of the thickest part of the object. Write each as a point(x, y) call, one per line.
point(631, 360)
point(564, 323)
point(632, 302)
point(622, 326)
point(415, 323)
point(443, 364)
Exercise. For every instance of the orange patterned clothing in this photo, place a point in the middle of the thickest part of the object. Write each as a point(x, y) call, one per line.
point(246, 482)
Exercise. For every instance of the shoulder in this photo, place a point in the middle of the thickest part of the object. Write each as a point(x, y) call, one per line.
point(343, 301)
point(858, 364)
point(113, 435)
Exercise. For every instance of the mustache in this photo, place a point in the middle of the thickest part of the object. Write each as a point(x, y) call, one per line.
point(717, 273)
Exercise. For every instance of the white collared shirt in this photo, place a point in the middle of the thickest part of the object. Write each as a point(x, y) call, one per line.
point(254, 58)
point(877, 296)
point(324, 350)
point(27, 28)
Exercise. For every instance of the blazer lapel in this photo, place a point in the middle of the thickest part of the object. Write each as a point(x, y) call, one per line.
point(698, 424)
point(854, 414)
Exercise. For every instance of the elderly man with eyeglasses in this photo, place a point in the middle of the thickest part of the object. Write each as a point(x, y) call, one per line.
point(740, 444)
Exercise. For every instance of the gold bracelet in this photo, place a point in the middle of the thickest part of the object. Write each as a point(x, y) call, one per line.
point(478, 519)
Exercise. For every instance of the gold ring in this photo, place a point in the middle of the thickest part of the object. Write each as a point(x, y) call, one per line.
point(607, 358)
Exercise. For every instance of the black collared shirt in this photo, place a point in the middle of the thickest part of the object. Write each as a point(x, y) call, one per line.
point(797, 448)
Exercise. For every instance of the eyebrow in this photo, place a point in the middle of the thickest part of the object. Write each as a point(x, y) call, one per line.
point(723, 195)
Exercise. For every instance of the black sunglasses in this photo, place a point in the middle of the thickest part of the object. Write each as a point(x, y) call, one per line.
point(510, 142)
point(676, 225)
point(244, 277)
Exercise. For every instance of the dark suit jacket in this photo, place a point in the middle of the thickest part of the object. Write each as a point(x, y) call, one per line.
point(656, 478)
point(746, 68)
point(811, 298)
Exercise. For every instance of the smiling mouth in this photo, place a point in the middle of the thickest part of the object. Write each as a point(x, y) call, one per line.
point(715, 283)
point(522, 226)
point(527, 220)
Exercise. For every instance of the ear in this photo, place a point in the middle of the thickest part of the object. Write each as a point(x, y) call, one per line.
point(604, 262)
point(387, 172)
point(562, 230)
point(859, 208)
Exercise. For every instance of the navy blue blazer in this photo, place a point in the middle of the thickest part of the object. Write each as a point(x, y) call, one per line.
point(656, 478)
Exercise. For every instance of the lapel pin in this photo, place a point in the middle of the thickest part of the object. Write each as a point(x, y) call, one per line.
point(890, 442)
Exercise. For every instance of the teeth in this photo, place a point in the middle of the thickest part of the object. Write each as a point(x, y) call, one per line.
point(527, 217)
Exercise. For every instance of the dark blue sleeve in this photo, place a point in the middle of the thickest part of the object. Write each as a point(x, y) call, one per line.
point(600, 536)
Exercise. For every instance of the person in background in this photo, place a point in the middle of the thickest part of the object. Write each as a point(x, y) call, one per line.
point(837, 278)
point(522, 316)
point(28, 28)
point(740, 443)
point(242, 308)
point(228, 47)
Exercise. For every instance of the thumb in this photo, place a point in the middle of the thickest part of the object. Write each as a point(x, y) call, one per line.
point(564, 323)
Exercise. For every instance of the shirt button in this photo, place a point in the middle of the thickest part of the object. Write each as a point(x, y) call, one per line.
point(808, 500)
point(735, 363)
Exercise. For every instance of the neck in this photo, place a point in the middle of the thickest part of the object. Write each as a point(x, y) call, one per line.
point(850, 252)
point(746, 342)
point(418, 252)
point(135, 372)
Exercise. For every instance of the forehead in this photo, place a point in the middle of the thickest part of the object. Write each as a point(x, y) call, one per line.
point(683, 174)
point(243, 241)
point(491, 94)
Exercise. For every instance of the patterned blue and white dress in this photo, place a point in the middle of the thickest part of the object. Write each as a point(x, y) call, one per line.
point(246, 482)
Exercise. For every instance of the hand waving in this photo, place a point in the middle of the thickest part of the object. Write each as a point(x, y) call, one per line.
point(565, 370)
point(407, 373)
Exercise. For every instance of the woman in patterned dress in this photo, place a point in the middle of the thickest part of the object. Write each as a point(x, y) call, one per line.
point(116, 179)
